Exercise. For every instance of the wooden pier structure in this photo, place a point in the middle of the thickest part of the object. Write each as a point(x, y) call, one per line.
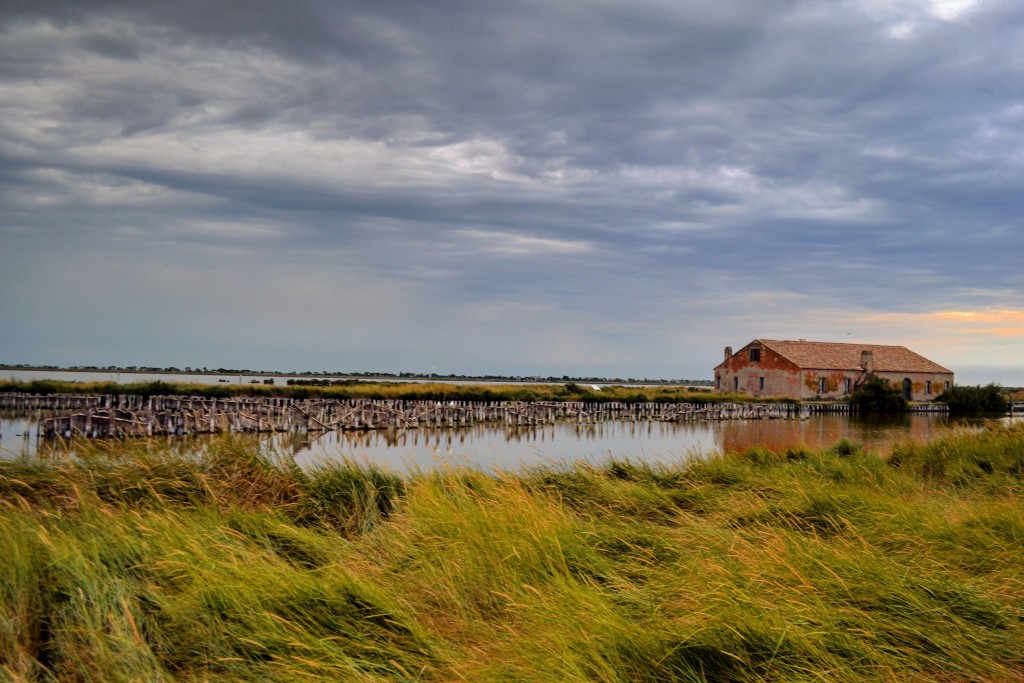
point(68, 415)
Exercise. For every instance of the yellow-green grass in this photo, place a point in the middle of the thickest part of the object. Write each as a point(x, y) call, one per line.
point(132, 563)
point(406, 391)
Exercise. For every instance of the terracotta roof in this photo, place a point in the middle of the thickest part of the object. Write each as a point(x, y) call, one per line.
point(845, 356)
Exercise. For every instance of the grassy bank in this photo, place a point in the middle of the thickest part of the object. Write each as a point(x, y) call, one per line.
point(128, 564)
point(404, 391)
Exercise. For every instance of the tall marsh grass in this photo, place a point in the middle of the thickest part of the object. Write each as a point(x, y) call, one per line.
point(404, 391)
point(128, 563)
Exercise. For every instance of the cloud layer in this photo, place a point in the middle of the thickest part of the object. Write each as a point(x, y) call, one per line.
point(596, 187)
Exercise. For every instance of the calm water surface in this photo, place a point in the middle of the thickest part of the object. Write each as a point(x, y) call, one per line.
point(137, 377)
point(184, 378)
point(498, 447)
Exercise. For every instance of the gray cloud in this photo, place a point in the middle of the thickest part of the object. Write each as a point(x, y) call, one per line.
point(647, 181)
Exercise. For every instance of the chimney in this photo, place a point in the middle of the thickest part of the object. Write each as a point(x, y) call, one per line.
point(867, 362)
point(728, 352)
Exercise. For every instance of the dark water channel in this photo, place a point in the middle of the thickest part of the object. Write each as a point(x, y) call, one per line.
point(499, 447)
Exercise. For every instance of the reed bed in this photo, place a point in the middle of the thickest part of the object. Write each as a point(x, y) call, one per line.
point(406, 391)
point(128, 563)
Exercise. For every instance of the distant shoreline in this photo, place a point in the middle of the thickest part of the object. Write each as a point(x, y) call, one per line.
point(369, 376)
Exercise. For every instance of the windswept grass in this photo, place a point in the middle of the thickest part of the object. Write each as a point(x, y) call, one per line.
point(128, 563)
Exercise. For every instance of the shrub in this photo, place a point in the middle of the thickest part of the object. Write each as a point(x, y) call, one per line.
point(878, 397)
point(978, 400)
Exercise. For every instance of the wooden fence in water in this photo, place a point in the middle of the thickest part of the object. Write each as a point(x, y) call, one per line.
point(129, 415)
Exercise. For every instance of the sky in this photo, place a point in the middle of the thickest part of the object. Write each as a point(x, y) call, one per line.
point(604, 188)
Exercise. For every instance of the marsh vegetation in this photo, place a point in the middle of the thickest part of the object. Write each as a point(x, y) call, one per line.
point(130, 563)
point(408, 391)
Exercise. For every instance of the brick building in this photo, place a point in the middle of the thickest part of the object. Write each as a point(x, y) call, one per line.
point(825, 370)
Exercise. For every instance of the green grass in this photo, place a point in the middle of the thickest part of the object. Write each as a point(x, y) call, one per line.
point(133, 563)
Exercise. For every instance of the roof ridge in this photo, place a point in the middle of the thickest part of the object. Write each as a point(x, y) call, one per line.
point(808, 341)
point(837, 355)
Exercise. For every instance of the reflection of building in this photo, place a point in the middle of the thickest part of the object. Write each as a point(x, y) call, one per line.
point(825, 370)
point(824, 431)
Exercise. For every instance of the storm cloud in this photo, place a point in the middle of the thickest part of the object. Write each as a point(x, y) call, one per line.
point(591, 187)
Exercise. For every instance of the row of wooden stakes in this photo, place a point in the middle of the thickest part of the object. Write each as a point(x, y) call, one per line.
point(124, 415)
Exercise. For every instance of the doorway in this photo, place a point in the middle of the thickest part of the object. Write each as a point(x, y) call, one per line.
point(907, 388)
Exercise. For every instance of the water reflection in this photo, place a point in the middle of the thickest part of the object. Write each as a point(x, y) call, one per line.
point(874, 433)
point(501, 447)
point(507, 447)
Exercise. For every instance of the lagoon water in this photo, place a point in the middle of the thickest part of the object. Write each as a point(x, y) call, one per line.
point(133, 377)
point(499, 447)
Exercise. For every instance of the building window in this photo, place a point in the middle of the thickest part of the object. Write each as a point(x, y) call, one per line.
point(735, 383)
point(760, 384)
point(755, 355)
point(946, 385)
point(846, 385)
point(821, 385)
point(927, 386)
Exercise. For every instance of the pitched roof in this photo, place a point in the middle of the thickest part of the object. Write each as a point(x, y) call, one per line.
point(845, 356)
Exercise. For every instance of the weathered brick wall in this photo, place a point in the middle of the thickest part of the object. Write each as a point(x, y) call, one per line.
point(765, 373)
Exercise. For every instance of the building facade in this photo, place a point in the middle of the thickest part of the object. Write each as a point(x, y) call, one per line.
point(826, 371)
